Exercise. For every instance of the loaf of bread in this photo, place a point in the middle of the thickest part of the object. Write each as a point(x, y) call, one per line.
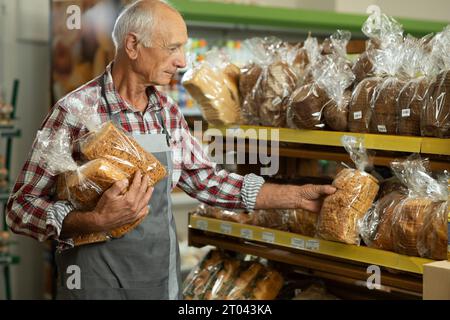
point(248, 79)
point(356, 191)
point(363, 67)
point(385, 210)
point(306, 106)
point(202, 277)
point(436, 115)
point(410, 103)
point(384, 114)
point(303, 222)
point(360, 110)
point(274, 219)
point(122, 151)
point(85, 186)
point(433, 237)
point(276, 84)
point(266, 286)
point(408, 221)
point(242, 284)
point(336, 117)
point(224, 280)
point(222, 214)
point(216, 91)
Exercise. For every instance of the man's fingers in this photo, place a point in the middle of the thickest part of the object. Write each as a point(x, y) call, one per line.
point(117, 188)
point(147, 196)
point(143, 188)
point(143, 212)
point(313, 206)
point(136, 184)
point(327, 189)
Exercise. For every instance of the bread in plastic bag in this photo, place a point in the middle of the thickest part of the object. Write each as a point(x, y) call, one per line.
point(303, 222)
point(419, 226)
point(264, 100)
point(81, 185)
point(105, 141)
point(222, 214)
point(214, 85)
point(436, 114)
point(360, 110)
point(274, 219)
point(220, 277)
point(376, 226)
point(356, 191)
point(306, 106)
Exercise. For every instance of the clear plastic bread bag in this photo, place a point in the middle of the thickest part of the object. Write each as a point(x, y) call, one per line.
point(435, 120)
point(267, 81)
point(336, 79)
point(213, 83)
point(419, 224)
point(222, 214)
point(306, 103)
point(200, 281)
point(106, 141)
point(420, 69)
point(81, 185)
point(274, 218)
point(356, 191)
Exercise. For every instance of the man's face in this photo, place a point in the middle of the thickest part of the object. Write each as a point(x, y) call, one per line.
point(158, 63)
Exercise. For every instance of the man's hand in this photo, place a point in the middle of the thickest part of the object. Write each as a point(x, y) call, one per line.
point(308, 197)
point(311, 196)
point(117, 207)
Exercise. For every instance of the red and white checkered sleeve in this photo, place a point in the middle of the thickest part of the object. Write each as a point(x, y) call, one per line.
point(31, 208)
point(201, 179)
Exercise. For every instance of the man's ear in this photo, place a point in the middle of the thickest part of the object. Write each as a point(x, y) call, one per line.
point(131, 45)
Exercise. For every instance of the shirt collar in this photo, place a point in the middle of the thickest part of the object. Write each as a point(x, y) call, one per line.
point(117, 104)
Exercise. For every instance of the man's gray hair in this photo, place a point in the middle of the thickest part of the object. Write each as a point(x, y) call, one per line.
point(134, 18)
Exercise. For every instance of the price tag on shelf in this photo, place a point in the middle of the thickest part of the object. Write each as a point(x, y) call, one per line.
point(225, 228)
point(246, 233)
point(357, 115)
point(313, 245)
point(202, 225)
point(298, 243)
point(268, 237)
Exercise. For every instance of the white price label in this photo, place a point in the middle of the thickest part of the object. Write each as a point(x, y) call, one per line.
point(406, 113)
point(298, 243)
point(202, 225)
point(382, 128)
point(268, 237)
point(246, 234)
point(357, 115)
point(225, 228)
point(313, 245)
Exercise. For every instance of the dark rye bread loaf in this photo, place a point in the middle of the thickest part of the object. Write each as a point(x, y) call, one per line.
point(436, 114)
point(360, 111)
point(410, 103)
point(384, 114)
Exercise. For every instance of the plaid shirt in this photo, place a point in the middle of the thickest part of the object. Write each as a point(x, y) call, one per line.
point(32, 209)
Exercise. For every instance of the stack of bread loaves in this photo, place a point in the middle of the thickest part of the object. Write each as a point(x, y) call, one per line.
point(111, 156)
point(221, 277)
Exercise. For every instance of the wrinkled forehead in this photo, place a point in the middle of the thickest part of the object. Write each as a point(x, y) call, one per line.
point(169, 27)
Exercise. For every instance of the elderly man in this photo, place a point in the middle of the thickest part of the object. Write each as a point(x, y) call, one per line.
point(144, 264)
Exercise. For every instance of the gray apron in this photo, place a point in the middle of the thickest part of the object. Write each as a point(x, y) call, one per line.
point(144, 263)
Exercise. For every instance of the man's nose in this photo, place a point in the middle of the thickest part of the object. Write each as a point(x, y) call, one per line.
point(180, 60)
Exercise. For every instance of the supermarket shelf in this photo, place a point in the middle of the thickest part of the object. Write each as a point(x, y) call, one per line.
point(301, 243)
point(288, 18)
point(333, 138)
